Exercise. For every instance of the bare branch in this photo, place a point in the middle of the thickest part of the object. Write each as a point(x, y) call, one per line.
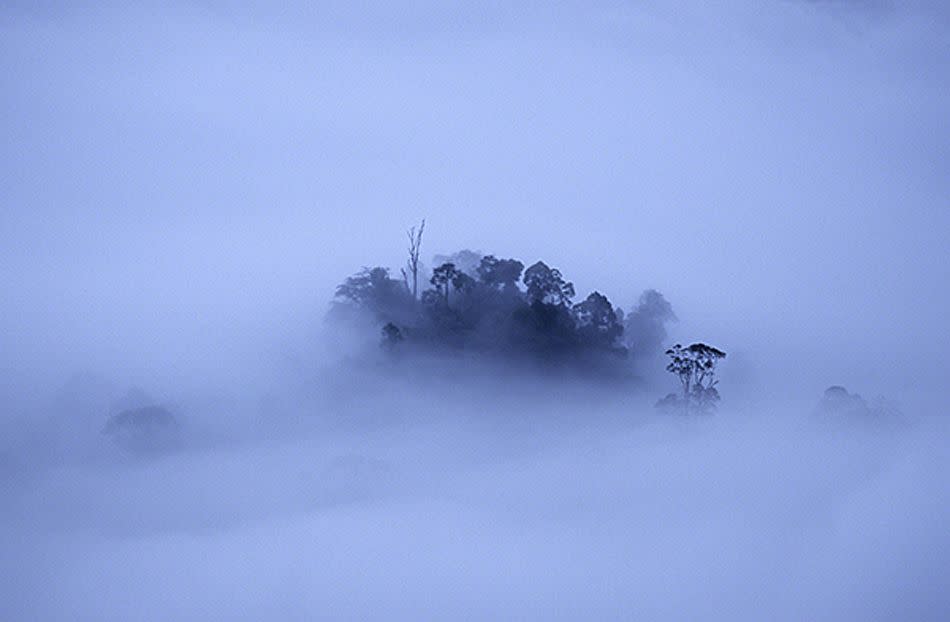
point(412, 264)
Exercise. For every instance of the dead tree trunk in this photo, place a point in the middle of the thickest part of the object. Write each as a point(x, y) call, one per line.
point(411, 272)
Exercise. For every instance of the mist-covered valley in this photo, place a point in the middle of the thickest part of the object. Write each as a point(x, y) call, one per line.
point(463, 500)
point(673, 346)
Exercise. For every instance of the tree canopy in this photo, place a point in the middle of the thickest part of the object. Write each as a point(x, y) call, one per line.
point(695, 367)
point(493, 304)
point(487, 304)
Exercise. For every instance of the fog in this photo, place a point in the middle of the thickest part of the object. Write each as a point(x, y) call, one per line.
point(185, 186)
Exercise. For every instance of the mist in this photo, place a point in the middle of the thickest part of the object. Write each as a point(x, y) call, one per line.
point(185, 187)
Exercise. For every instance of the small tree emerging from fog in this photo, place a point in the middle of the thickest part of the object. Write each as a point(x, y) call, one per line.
point(695, 367)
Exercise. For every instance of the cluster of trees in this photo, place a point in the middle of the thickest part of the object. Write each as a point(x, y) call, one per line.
point(490, 304)
point(838, 403)
point(487, 303)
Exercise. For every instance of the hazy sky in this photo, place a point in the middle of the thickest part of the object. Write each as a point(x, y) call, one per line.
point(189, 179)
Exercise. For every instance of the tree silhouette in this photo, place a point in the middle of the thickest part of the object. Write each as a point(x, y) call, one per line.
point(477, 302)
point(695, 367)
point(373, 290)
point(464, 260)
point(597, 321)
point(502, 274)
point(444, 276)
point(545, 285)
point(463, 283)
point(392, 336)
point(645, 325)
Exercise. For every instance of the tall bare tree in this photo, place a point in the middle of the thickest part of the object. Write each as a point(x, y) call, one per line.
point(411, 271)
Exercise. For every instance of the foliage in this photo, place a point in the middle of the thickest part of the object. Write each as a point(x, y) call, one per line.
point(645, 325)
point(372, 290)
point(597, 322)
point(838, 403)
point(493, 304)
point(500, 274)
point(464, 260)
point(443, 276)
point(546, 285)
point(391, 336)
point(695, 367)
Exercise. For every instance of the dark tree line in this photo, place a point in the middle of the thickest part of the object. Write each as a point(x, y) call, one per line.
point(487, 303)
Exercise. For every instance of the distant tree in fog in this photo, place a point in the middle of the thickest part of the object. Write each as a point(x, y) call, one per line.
point(695, 367)
point(837, 402)
point(392, 336)
point(645, 325)
point(147, 430)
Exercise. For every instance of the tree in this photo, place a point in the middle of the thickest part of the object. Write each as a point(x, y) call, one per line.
point(147, 430)
point(392, 336)
point(494, 305)
point(373, 290)
point(545, 285)
point(501, 274)
point(463, 283)
point(645, 326)
point(597, 322)
point(838, 402)
point(695, 367)
point(464, 260)
point(442, 277)
point(411, 271)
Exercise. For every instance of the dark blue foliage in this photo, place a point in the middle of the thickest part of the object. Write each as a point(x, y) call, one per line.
point(495, 305)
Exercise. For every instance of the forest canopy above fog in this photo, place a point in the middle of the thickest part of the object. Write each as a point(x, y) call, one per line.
point(496, 307)
point(501, 308)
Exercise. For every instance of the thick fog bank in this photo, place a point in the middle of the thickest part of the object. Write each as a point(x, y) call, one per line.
point(531, 501)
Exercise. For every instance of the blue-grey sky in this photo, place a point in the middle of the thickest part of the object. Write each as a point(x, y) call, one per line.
point(183, 185)
point(181, 178)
